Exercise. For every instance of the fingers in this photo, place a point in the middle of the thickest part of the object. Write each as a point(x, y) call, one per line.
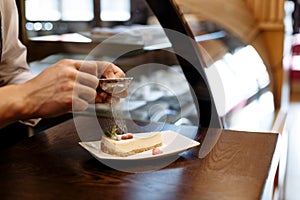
point(68, 85)
point(89, 67)
point(79, 104)
point(103, 97)
point(109, 70)
point(87, 79)
point(96, 68)
point(85, 93)
point(87, 74)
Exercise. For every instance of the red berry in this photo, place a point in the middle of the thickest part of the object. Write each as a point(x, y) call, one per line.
point(156, 151)
point(126, 136)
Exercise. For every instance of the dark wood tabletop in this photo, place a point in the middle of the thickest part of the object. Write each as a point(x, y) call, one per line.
point(52, 165)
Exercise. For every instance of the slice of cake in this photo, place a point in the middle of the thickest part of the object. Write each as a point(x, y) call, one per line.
point(129, 144)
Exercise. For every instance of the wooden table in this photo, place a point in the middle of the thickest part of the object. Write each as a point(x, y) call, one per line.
point(52, 165)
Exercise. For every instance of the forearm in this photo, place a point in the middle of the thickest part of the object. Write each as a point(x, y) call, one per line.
point(12, 106)
point(66, 86)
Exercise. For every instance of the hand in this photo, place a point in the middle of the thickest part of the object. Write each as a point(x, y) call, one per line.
point(109, 70)
point(68, 85)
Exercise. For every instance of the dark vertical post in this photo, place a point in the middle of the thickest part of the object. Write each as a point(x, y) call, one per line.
point(170, 17)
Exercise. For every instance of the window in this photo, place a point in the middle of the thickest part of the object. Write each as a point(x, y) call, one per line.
point(47, 17)
point(114, 10)
point(55, 10)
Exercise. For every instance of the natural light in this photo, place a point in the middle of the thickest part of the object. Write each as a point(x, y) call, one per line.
point(54, 10)
point(115, 10)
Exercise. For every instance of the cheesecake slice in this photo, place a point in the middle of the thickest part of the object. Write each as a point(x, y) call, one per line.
point(130, 145)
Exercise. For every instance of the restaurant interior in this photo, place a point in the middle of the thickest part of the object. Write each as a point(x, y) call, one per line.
point(222, 73)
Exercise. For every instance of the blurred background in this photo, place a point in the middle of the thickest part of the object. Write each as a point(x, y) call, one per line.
point(249, 47)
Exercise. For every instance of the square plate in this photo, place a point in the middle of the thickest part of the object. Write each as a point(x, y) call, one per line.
point(173, 143)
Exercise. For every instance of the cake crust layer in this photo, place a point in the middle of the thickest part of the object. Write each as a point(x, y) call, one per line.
point(129, 147)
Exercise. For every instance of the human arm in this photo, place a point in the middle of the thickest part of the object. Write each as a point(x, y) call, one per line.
point(69, 85)
point(52, 92)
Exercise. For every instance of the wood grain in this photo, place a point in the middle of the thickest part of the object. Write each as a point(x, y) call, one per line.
point(52, 165)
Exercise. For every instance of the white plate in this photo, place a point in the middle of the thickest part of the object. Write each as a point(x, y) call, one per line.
point(173, 143)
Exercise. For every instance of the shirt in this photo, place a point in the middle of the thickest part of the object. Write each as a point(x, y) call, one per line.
point(13, 66)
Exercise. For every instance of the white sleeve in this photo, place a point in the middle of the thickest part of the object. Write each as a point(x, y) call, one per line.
point(13, 66)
